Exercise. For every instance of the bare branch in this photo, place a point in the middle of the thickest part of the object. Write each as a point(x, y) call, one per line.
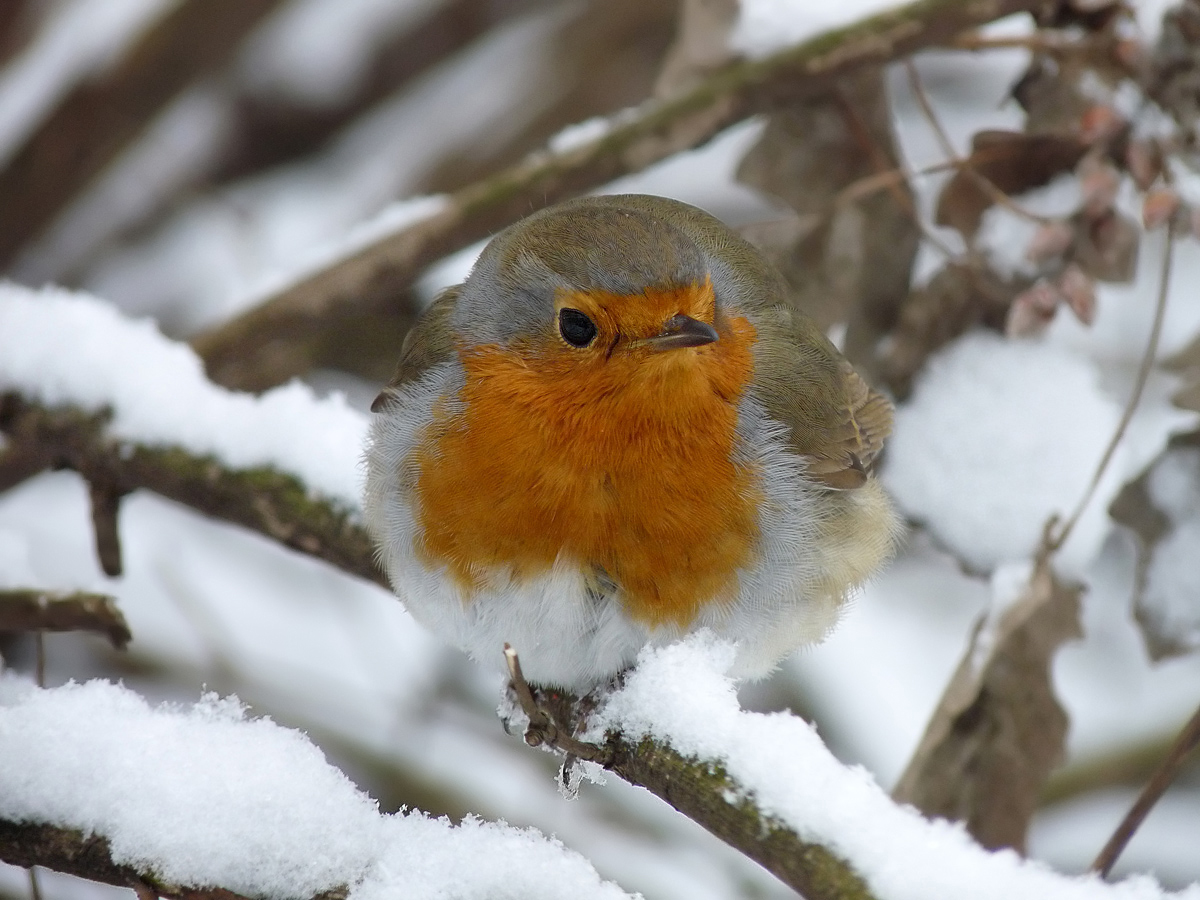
point(1143, 374)
point(373, 277)
point(34, 610)
point(1187, 741)
point(998, 729)
point(95, 122)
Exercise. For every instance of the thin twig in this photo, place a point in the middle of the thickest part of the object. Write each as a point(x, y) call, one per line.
point(1143, 375)
point(1187, 741)
point(35, 889)
point(984, 183)
point(544, 728)
point(881, 162)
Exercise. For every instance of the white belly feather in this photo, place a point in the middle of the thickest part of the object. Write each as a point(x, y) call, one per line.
point(569, 636)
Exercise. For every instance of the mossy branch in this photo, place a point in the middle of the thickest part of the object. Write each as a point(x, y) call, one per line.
point(30, 609)
point(28, 844)
point(706, 794)
point(272, 503)
point(258, 349)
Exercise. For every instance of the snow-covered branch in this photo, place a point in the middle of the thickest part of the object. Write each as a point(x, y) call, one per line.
point(263, 499)
point(34, 610)
point(83, 388)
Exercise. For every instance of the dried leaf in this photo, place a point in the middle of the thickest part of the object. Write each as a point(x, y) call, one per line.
point(1159, 207)
point(1107, 247)
point(1134, 508)
point(1014, 162)
point(1099, 182)
point(1144, 160)
point(1079, 291)
point(1050, 96)
point(1130, 54)
point(1100, 124)
point(1050, 241)
point(1032, 309)
point(998, 730)
point(1174, 77)
point(956, 299)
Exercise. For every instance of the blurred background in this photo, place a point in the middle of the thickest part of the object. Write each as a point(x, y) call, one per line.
point(183, 159)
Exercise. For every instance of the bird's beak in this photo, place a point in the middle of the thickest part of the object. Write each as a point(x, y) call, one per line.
point(682, 331)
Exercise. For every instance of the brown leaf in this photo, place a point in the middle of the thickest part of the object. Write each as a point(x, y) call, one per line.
point(1134, 509)
point(1079, 291)
point(1050, 241)
point(1107, 247)
point(1159, 207)
point(1032, 309)
point(1100, 124)
point(998, 730)
point(850, 262)
point(1099, 182)
point(956, 299)
point(1014, 162)
point(1144, 160)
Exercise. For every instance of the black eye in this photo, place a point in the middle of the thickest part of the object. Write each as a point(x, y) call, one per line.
point(576, 328)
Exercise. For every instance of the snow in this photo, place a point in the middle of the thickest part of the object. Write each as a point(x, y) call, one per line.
point(392, 219)
point(15, 569)
point(679, 694)
point(999, 435)
point(60, 348)
point(765, 26)
point(579, 134)
point(207, 796)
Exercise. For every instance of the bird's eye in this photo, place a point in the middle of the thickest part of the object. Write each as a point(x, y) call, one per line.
point(576, 328)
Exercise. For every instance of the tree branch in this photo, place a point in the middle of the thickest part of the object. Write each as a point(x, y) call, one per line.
point(700, 790)
point(34, 610)
point(706, 795)
point(88, 856)
point(95, 122)
point(371, 279)
point(264, 500)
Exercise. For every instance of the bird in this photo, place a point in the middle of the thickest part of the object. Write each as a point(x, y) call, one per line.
point(618, 431)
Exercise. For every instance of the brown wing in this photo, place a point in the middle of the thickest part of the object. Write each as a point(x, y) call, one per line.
point(844, 458)
point(838, 423)
point(428, 342)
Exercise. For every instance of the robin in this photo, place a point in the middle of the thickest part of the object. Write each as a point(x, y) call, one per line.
point(617, 431)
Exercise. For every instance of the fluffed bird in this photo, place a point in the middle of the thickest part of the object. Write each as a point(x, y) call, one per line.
point(616, 431)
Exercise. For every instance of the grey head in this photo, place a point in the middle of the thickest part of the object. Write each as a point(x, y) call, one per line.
point(619, 245)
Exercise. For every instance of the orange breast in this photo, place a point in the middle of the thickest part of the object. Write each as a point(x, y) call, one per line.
point(623, 463)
